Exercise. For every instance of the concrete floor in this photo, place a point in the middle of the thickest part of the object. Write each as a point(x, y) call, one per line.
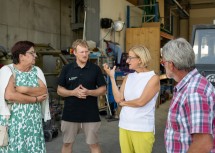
point(109, 136)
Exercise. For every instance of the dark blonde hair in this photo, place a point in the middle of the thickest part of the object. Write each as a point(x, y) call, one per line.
point(143, 53)
point(79, 42)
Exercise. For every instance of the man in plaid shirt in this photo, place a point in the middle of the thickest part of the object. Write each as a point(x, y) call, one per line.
point(191, 119)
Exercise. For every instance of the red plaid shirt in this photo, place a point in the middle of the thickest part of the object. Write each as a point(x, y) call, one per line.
point(191, 111)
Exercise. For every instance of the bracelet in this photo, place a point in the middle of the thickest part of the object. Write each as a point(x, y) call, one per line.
point(36, 99)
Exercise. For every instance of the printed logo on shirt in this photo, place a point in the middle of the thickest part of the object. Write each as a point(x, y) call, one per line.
point(211, 77)
point(72, 78)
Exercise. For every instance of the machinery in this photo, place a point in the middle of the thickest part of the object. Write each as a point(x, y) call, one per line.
point(5, 56)
point(203, 42)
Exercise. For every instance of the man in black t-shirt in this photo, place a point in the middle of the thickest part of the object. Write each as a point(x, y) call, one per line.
point(81, 82)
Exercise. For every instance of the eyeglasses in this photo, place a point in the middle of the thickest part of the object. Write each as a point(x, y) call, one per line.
point(163, 62)
point(32, 53)
point(130, 58)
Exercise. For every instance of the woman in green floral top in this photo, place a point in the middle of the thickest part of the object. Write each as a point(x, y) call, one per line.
point(25, 94)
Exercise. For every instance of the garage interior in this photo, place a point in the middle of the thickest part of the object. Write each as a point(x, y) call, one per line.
point(111, 27)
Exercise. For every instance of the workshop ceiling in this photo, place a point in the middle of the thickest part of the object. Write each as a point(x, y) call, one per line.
point(185, 5)
point(195, 1)
point(200, 1)
point(198, 4)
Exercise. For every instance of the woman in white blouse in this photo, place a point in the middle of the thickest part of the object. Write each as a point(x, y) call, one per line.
point(137, 96)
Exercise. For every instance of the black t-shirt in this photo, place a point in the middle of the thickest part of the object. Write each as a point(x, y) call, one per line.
point(90, 77)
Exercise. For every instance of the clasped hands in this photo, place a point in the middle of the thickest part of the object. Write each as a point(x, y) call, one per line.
point(81, 92)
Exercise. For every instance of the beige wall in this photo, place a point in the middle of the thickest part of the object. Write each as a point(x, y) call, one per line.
point(176, 24)
point(115, 10)
point(184, 29)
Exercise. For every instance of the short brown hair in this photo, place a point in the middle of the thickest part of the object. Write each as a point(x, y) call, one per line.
point(20, 47)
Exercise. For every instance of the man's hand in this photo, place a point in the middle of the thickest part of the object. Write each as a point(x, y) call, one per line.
point(80, 92)
point(84, 92)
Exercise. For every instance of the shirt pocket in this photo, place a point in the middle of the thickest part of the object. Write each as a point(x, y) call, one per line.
point(174, 118)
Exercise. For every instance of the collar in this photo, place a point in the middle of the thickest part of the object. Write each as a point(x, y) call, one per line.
point(86, 66)
point(185, 80)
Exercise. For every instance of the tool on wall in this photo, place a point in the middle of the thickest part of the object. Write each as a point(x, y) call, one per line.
point(106, 23)
point(5, 56)
point(109, 23)
point(118, 25)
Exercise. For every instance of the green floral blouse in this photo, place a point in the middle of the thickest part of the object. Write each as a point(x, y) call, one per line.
point(25, 123)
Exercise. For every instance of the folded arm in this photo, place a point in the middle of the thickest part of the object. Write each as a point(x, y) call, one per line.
point(12, 95)
point(33, 91)
point(151, 89)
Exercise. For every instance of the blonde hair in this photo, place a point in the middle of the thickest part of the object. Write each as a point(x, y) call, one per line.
point(143, 53)
point(79, 42)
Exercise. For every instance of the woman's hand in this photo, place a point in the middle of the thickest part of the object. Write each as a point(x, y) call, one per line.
point(121, 102)
point(21, 89)
point(42, 97)
point(110, 72)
